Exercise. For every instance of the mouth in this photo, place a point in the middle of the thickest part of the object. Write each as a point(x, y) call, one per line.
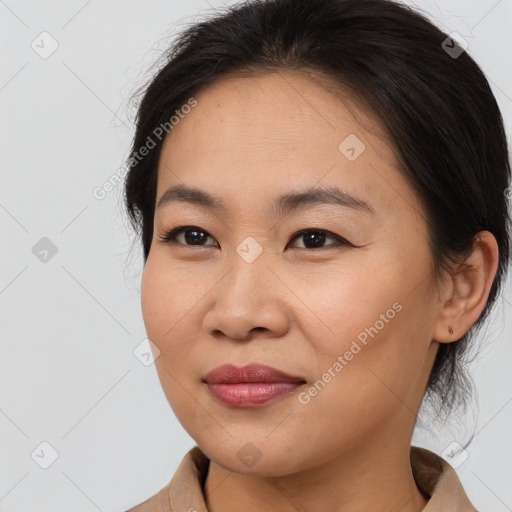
point(250, 386)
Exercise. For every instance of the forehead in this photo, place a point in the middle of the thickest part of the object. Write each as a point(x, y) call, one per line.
point(262, 134)
point(279, 108)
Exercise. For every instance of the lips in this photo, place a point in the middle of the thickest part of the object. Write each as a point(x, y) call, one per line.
point(250, 386)
point(229, 374)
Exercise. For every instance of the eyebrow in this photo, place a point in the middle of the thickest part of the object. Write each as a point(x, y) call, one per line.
point(282, 205)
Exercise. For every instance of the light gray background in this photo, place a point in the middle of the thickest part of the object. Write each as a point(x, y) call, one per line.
point(69, 326)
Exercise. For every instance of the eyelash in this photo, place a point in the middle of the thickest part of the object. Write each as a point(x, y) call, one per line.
point(170, 237)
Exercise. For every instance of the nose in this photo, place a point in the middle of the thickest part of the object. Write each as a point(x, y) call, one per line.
point(249, 299)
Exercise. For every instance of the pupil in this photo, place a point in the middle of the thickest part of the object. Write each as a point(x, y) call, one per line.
point(196, 236)
point(310, 237)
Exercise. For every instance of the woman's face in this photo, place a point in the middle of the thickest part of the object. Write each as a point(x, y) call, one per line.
point(354, 319)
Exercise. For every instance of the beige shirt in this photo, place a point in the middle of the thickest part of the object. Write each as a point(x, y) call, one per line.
point(434, 477)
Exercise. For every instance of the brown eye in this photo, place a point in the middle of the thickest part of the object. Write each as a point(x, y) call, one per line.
point(315, 239)
point(192, 235)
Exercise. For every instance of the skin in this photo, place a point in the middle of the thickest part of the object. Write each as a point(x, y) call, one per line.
point(295, 308)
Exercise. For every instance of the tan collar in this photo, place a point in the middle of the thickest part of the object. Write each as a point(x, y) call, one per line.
point(435, 478)
point(438, 480)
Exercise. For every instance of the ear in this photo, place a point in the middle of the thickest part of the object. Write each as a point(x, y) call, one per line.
point(467, 290)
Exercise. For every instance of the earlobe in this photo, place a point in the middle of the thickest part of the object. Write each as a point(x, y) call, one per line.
point(470, 287)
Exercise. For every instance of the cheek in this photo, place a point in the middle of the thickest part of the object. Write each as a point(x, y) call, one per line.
point(165, 302)
point(345, 305)
point(154, 302)
point(170, 301)
point(365, 328)
point(164, 309)
point(161, 311)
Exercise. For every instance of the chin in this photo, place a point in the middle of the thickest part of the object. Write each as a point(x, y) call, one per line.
point(248, 458)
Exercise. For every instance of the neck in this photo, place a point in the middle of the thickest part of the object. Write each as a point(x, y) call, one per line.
point(375, 476)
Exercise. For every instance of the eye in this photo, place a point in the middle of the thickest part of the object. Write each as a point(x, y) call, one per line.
point(315, 238)
point(193, 235)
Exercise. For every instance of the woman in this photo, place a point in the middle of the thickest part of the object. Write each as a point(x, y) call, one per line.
point(320, 190)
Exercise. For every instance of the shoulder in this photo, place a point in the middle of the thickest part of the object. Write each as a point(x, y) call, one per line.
point(439, 482)
point(157, 503)
point(185, 488)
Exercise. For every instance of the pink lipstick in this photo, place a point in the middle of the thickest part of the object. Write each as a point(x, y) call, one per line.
point(251, 386)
